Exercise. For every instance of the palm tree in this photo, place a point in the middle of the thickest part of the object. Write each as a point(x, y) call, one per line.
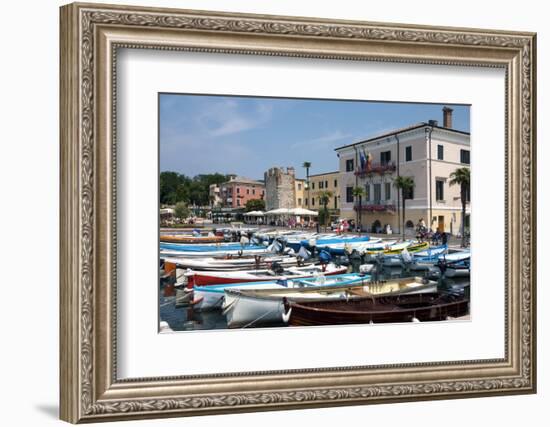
point(358, 192)
point(324, 198)
point(307, 165)
point(461, 176)
point(405, 184)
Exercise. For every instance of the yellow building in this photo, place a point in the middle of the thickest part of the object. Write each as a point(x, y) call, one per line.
point(299, 191)
point(426, 152)
point(320, 183)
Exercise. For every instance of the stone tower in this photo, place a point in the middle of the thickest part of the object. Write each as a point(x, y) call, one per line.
point(279, 188)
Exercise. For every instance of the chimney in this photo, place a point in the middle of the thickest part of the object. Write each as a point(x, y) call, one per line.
point(447, 117)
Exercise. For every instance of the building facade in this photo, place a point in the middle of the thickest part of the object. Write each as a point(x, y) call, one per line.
point(320, 183)
point(239, 190)
point(280, 188)
point(299, 192)
point(215, 195)
point(426, 152)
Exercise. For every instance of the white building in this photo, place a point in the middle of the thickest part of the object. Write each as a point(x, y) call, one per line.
point(426, 152)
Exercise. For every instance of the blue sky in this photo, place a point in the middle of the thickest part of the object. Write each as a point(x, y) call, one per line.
point(248, 135)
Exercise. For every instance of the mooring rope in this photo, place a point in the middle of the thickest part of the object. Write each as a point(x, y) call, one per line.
point(259, 318)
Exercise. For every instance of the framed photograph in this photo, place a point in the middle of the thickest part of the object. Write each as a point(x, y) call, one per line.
point(266, 213)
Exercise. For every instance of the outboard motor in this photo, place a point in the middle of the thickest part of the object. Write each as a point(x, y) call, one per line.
point(304, 253)
point(302, 256)
point(324, 257)
point(277, 268)
point(340, 260)
point(275, 247)
point(355, 261)
point(375, 273)
point(369, 258)
point(434, 272)
point(442, 265)
point(406, 256)
point(312, 243)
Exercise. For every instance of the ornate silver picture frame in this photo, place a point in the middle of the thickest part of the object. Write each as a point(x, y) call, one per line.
point(91, 34)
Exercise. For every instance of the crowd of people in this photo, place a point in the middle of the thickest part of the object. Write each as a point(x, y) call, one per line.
point(424, 234)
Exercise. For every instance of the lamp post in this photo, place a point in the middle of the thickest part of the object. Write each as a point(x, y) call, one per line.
point(429, 131)
point(398, 190)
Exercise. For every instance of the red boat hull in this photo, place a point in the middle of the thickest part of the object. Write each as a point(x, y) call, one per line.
point(205, 279)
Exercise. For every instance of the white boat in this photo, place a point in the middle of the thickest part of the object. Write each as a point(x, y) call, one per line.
point(166, 253)
point(251, 307)
point(343, 247)
point(203, 278)
point(217, 250)
point(205, 247)
point(271, 234)
point(239, 263)
point(301, 236)
point(230, 230)
point(212, 297)
point(455, 256)
point(397, 246)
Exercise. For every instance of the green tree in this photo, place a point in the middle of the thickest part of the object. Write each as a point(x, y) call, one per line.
point(255, 205)
point(198, 196)
point(181, 211)
point(324, 199)
point(175, 187)
point(461, 176)
point(181, 194)
point(307, 165)
point(358, 193)
point(406, 185)
point(169, 182)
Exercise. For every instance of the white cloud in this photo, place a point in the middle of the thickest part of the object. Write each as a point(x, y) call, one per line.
point(326, 139)
point(226, 117)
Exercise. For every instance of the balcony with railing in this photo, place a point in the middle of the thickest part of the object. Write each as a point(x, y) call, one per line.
point(376, 206)
point(376, 168)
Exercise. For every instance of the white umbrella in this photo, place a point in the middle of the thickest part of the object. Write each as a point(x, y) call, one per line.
point(303, 212)
point(280, 211)
point(255, 213)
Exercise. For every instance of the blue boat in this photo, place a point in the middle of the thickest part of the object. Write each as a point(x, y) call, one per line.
point(431, 254)
point(327, 242)
point(211, 296)
point(336, 240)
point(209, 247)
point(423, 258)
